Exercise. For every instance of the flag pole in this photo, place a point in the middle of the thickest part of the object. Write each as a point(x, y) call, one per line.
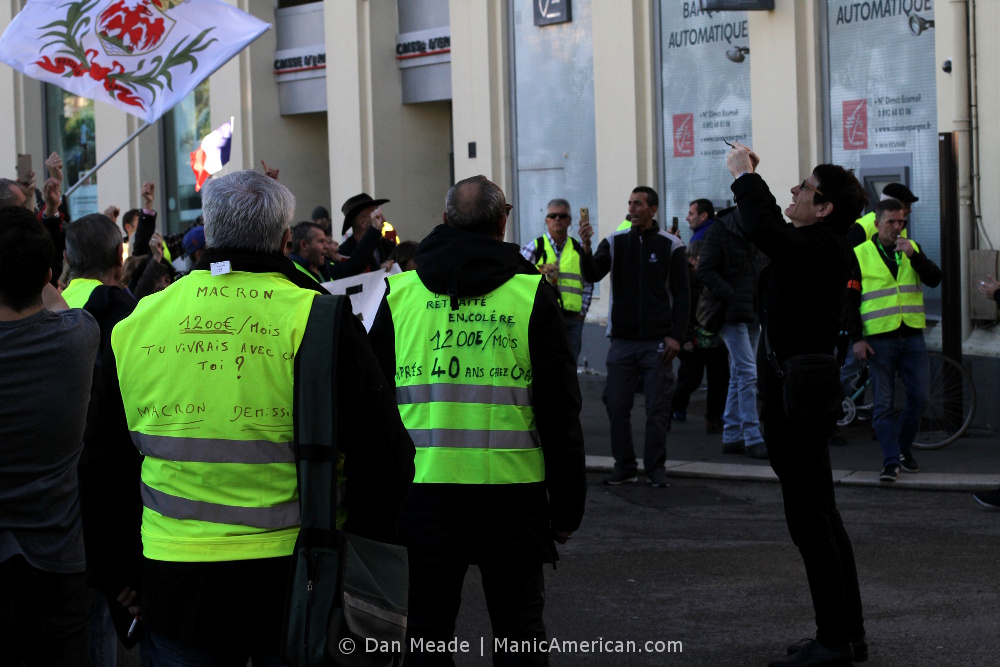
point(100, 164)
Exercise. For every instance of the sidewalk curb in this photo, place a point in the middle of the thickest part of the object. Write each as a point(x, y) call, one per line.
point(763, 473)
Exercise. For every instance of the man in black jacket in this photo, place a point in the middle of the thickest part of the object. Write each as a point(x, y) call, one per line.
point(500, 467)
point(802, 305)
point(727, 269)
point(110, 463)
point(648, 317)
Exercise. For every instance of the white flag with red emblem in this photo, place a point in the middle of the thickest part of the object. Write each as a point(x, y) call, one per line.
point(142, 56)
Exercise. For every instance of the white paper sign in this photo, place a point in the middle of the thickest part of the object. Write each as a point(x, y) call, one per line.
point(366, 291)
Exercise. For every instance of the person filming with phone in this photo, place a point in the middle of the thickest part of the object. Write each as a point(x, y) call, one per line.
point(560, 262)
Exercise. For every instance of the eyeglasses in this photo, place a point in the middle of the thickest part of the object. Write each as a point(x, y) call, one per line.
point(805, 185)
point(560, 216)
point(509, 208)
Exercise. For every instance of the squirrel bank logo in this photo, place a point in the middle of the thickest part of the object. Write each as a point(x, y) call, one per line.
point(855, 125)
point(683, 135)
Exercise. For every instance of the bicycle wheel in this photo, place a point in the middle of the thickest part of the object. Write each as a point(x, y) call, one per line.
point(951, 403)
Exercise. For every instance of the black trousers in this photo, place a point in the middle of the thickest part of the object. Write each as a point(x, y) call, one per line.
point(693, 366)
point(800, 457)
point(515, 596)
point(44, 617)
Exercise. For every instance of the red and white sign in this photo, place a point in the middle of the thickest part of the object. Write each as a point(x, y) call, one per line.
point(855, 125)
point(683, 135)
point(142, 56)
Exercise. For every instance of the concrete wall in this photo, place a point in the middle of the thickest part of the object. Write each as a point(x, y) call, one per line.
point(286, 142)
point(410, 149)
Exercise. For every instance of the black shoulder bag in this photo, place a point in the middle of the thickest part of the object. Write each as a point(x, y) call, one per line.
point(346, 594)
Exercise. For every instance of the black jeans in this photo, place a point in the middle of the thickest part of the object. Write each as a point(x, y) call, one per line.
point(693, 366)
point(515, 596)
point(44, 617)
point(801, 458)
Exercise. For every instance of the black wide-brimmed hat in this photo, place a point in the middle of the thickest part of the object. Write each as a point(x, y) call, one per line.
point(900, 192)
point(355, 204)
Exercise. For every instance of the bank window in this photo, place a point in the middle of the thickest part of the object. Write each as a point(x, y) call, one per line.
point(184, 127)
point(69, 131)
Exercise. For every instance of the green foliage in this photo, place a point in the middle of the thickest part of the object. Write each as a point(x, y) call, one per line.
point(66, 32)
point(159, 75)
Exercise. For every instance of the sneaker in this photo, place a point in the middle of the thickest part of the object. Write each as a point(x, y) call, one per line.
point(908, 463)
point(860, 647)
point(679, 416)
point(658, 478)
point(988, 499)
point(758, 451)
point(734, 447)
point(889, 473)
point(621, 477)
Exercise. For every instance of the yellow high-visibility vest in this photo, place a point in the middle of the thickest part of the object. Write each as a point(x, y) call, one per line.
point(887, 302)
point(570, 282)
point(206, 372)
point(78, 292)
point(463, 382)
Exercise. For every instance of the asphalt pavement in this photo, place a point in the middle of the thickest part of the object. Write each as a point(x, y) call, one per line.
point(704, 573)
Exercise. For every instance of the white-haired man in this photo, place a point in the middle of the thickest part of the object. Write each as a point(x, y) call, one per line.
point(220, 510)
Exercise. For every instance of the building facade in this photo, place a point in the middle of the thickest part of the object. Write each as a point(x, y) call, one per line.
point(580, 99)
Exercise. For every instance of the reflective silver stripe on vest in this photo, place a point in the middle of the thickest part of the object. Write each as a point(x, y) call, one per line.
point(878, 293)
point(570, 276)
point(569, 290)
point(912, 309)
point(454, 437)
point(175, 507)
point(895, 310)
point(463, 393)
point(211, 450)
point(910, 288)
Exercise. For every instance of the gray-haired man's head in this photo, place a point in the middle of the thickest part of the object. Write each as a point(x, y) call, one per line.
point(477, 204)
point(94, 248)
point(246, 210)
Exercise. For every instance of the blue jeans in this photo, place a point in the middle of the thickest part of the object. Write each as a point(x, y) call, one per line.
point(103, 639)
point(163, 652)
point(741, 422)
point(907, 356)
point(627, 360)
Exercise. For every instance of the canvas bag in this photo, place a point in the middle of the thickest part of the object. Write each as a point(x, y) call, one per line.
point(346, 593)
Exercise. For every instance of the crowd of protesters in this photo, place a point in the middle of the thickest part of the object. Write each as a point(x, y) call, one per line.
point(66, 284)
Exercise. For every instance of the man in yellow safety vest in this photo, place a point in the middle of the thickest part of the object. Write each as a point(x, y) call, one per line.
point(486, 385)
point(208, 377)
point(886, 320)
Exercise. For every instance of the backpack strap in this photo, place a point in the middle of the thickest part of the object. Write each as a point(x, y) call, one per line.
point(540, 253)
point(315, 414)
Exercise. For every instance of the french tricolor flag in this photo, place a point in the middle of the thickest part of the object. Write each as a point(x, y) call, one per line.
point(212, 154)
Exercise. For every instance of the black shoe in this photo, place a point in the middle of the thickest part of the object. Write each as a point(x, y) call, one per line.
point(889, 473)
point(679, 416)
point(758, 451)
point(734, 447)
point(658, 478)
point(860, 647)
point(817, 655)
point(988, 499)
point(621, 477)
point(908, 463)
